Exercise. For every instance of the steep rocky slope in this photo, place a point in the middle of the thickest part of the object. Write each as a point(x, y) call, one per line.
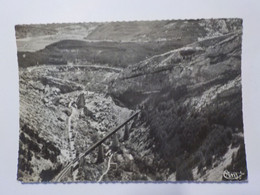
point(194, 65)
point(51, 127)
point(191, 98)
point(53, 131)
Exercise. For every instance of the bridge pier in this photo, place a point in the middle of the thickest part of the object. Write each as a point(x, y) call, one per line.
point(100, 157)
point(115, 143)
point(126, 134)
point(71, 171)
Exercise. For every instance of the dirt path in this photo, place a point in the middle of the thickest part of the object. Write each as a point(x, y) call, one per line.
point(108, 167)
point(72, 117)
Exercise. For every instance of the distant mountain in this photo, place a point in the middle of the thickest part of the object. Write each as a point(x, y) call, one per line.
point(116, 43)
point(130, 31)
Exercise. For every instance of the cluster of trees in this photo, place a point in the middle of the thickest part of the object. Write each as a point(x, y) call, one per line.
point(38, 145)
point(32, 145)
point(186, 138)
point(23, 162)
point(214, 146)
point(49, 174)
point(238, 162)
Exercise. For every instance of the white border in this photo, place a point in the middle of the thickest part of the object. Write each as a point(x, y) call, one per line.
point(48, 11)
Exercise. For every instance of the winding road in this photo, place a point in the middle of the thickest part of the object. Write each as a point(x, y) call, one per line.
point(70, 132)
point(108, 167)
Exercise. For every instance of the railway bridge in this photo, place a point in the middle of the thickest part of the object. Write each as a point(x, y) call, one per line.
point(71, 165)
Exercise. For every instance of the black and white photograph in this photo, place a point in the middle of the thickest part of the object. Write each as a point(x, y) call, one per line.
point(131, 101)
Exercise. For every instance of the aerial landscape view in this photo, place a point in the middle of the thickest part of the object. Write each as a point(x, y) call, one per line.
point(137, 101)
